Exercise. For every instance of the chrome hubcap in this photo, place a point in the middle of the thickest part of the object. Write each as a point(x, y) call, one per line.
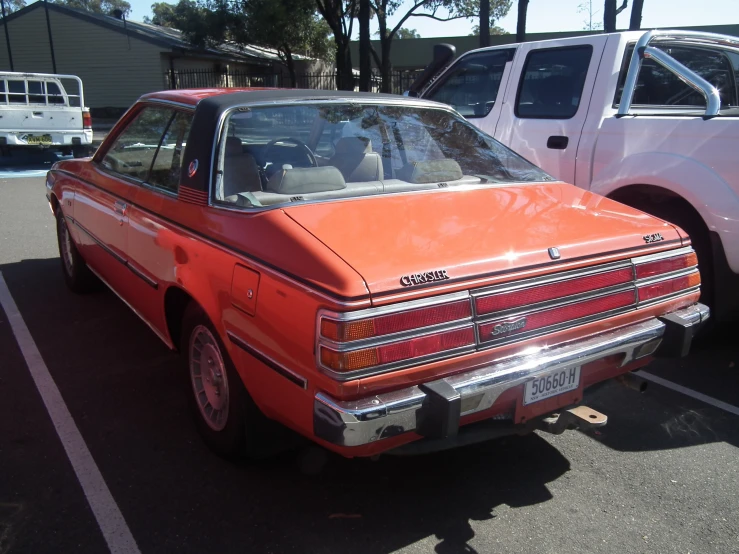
point(208, 377)
point(67, 249)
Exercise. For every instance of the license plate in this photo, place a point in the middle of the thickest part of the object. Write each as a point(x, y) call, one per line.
point(551, 384)
point(38, 139)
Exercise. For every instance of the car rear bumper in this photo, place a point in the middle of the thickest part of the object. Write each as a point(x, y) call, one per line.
point(434, 409)
point(56, 138)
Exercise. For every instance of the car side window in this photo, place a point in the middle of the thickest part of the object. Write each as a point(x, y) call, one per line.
point(657, 86)
point(471, 85)
point(552, 82)
point(167, 164)
point(132, 153)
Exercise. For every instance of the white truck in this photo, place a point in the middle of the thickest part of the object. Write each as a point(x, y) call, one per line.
point(650, 119)
point(37, 111)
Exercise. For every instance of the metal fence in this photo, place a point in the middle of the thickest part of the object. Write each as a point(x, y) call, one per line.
point(197, 78)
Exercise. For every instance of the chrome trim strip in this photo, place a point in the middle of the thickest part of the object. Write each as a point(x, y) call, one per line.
point(161, 336)
point(280, 369)
point(666, 276)
point(393, 308)
point(366, 420)
point(662, 255)
point(396, 337)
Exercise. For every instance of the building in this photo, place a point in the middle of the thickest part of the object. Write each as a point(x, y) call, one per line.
point(415, 53)
point(120, 60)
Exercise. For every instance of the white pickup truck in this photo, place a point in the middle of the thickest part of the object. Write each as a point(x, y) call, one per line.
point(648, 118)
point(37, 110)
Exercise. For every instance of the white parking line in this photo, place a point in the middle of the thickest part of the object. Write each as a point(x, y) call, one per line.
point(689, 392)
point(106, 511)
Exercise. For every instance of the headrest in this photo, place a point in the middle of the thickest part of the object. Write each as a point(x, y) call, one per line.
point(431, 171)
point(353, 145)
point(305, 180)
point(234, 147)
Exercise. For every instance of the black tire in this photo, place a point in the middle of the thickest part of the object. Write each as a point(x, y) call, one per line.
point(80, 151)
point(77, 275)
point(240, 434)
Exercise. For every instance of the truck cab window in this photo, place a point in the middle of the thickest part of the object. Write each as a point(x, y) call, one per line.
point(552, 82)
point(656, 86)
point(471, 85)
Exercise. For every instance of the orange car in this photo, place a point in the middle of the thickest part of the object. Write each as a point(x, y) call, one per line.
point(370, 271)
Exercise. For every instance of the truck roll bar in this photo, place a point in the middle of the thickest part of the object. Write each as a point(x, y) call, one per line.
point(642, 50)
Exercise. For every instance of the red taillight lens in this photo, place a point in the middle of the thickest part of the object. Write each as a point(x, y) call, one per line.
point(666, 265)
point(668, 286)
point(86, 120)
point(514, 299)
point(397, 351)
point(505, 327)
point(345, 331)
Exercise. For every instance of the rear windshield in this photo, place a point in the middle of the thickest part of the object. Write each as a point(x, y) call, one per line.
point(282, 154)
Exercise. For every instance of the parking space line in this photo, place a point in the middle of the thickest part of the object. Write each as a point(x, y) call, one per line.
point(689, 392)
point(101, 501)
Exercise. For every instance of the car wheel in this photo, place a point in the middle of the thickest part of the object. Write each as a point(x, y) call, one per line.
point(77, 275)
point(226, 417)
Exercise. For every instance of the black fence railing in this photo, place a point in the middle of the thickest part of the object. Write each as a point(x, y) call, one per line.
point(400, 81)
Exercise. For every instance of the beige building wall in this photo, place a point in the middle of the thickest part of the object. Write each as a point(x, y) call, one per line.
point(115, 69)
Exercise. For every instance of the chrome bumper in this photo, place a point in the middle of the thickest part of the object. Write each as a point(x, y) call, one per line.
point(366, 420)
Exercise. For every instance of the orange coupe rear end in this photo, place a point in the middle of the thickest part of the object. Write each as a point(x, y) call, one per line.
point(369, 271)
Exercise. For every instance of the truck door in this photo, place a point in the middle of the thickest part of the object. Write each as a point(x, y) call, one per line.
point(473, 85)
point(543, 116)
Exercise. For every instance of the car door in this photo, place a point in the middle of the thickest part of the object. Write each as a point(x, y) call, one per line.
point(152, 254)
point(473, 85)
point(108, 187)
point(542, 118)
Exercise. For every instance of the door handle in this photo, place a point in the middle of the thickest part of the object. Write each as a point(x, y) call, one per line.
point(120, 207)
point(556, 142)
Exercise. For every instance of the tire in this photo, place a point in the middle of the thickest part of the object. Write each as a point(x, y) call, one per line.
point(226, 417)
point(80, 151)
point(77, 275)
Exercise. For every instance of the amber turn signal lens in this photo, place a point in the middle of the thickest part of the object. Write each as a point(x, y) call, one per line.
point(346, 331)
point(667, 265)
point(396, 351)
point(669, 286)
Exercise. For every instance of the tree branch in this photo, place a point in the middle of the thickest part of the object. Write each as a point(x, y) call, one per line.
point(409, 14)
point(623, 7)
point(435, 18)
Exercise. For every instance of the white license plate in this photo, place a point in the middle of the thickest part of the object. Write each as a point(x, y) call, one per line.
point(551, 384)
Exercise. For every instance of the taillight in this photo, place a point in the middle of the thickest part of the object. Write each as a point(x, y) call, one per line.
point(666, 265)
point(365, 328)
point(86, 120)
point(533, 295)
point(668, 287)
point(408, 349)
point(501, 328)
point(395, 336)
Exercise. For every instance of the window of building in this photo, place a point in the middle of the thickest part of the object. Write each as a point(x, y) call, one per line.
point(552, 82)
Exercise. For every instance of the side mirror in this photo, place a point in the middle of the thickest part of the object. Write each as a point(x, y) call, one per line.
point(443, 54)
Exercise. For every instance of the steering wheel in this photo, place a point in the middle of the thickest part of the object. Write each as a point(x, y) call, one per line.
point(304, 147)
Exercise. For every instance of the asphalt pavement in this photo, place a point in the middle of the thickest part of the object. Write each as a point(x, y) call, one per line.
point(662, 477)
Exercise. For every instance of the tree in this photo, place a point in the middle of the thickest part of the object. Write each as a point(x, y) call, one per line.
point(163, 15)
point(523, 7)
point(339, 16)
point(610, 11)
point(489, 11)
point(365, 62)
point(636, 9)
point(14, 5)
point(407, 33)
point(287, 26)
point(439, 10)
point(106, 7)
point(589, 23)
point(494, 30)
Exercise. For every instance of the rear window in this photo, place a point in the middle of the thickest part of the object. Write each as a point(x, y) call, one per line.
point(16, 91)
point(276, 155)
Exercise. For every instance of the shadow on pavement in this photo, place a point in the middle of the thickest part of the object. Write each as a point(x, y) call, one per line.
point(124, 390)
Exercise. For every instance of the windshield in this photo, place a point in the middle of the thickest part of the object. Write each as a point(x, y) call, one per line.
point(282, 154)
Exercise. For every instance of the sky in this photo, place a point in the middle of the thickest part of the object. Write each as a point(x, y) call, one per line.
point(563, 15)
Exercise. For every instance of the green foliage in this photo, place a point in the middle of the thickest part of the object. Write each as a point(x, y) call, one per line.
point(407, 33)
point(14, 5)
point(494, 30)
point(106, 7)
